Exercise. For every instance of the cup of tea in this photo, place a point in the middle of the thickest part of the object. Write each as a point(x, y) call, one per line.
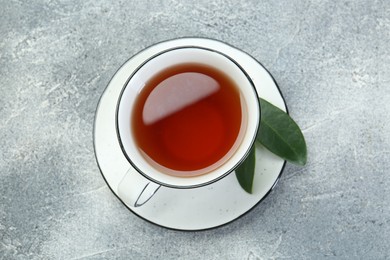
point(186, 118)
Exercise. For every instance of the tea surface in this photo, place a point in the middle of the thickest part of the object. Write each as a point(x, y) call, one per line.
point(187, 118)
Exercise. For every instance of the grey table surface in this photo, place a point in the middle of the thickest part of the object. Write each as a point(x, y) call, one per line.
point(331, 60)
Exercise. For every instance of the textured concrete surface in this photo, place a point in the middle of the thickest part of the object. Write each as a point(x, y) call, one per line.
point(331, 60)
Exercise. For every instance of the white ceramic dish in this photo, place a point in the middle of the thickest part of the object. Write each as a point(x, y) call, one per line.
point(188, 209)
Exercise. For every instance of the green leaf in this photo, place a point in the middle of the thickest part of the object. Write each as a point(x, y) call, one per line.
point(281, 135)
point(246, 171)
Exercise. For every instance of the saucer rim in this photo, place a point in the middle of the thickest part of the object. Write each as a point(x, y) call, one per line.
point(117, 196)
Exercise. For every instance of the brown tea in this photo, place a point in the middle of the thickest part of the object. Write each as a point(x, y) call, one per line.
point(187, 118)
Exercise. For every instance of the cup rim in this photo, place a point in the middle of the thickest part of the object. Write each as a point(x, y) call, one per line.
point(226, 173)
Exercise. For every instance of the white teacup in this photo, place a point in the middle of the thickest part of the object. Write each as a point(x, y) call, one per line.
point(137, 187)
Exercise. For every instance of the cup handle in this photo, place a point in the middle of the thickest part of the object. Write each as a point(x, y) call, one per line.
point(135, 190)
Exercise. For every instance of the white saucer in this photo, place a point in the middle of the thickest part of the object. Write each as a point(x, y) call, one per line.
point(188, 209)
